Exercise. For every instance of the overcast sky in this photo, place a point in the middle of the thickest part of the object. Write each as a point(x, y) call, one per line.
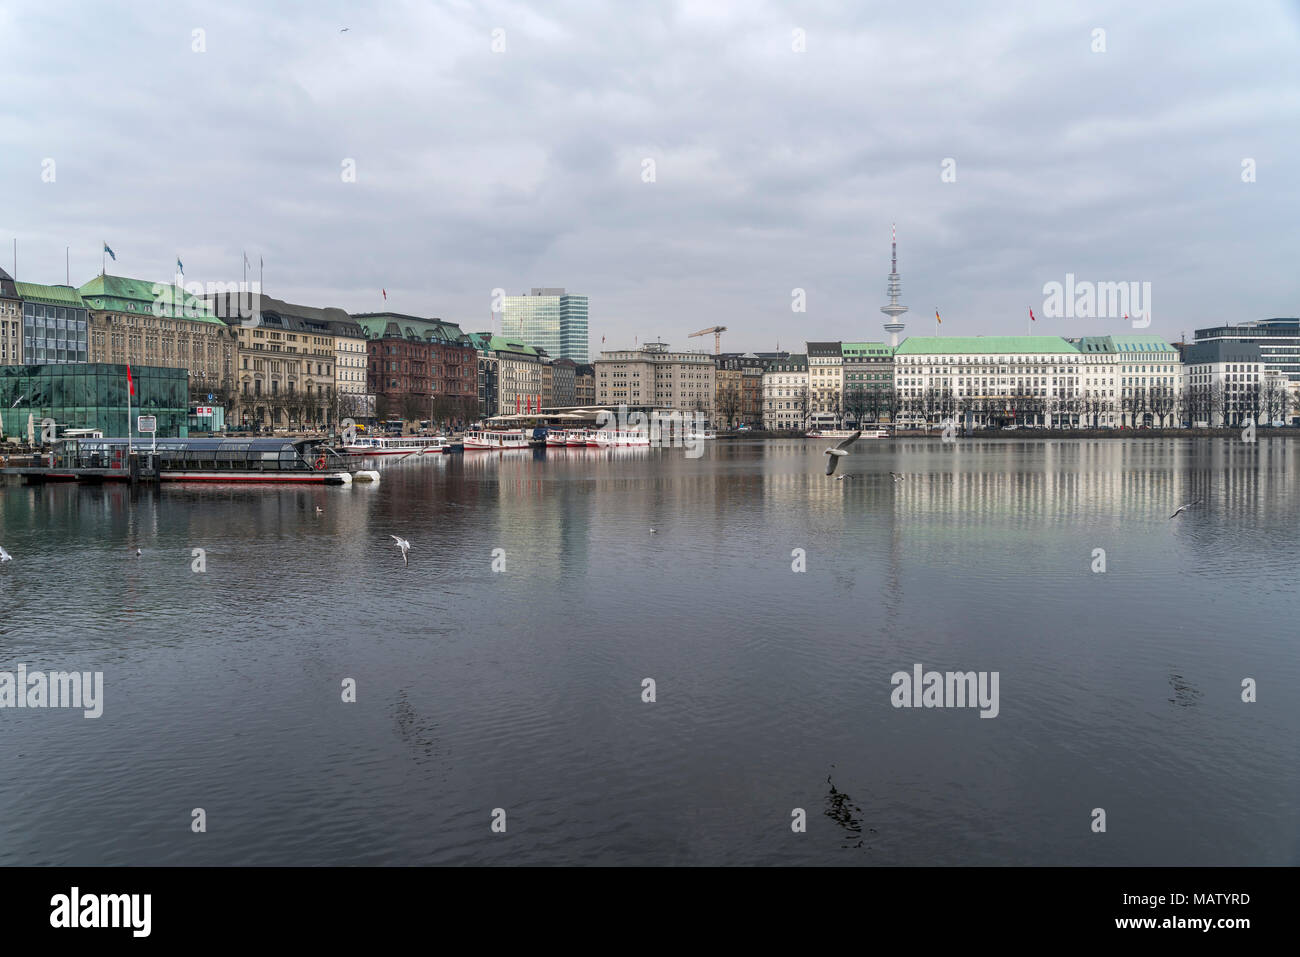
point(773, 169)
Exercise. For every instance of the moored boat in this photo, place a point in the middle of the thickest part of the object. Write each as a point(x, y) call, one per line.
point(608, 438)
point(397, 445)
point(495, 440)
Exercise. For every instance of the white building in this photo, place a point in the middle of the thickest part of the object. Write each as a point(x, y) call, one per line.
point(1225, 383)
point(785, 394)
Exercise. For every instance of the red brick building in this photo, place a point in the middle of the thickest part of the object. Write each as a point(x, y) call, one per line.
point(420, 369)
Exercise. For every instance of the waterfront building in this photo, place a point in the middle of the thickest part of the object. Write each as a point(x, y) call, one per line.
point(867, 371)
point(987, 381)
point(56, 326)
point(351, 357)
point(563, 393)
point(785, 394)
point(520, 372)
point(1129, 381)
point(421, 368)
point(549, 319)
point(487, 369)
point(584, 384)
point(287, 364)
point(1225, 384)
point(92, 396)
point(158, 324)
point(1278, 341)
point(11, 321)
point(653, 375)
point(826, 384)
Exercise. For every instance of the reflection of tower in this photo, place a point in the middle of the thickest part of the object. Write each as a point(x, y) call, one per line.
point(895, 309)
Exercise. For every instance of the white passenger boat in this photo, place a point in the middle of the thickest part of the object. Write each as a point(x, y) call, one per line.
point(845, 433)
point(608, 438)
point(397, 445)
point(494, 439)
point(576, 437)
point(557, 438)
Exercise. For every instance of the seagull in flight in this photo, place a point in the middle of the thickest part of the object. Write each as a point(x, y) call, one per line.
point(345, 30)
point(319, 509)
point(897, 477)
point(1183, 508)
point(404, 545)
point(840, 450)
point(4, 555)
point(841, 478)
point(138, 553)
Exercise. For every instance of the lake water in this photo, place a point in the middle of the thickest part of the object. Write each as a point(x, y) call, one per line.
point(522, 689)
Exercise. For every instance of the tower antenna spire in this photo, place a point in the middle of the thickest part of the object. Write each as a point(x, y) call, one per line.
point(894, 310)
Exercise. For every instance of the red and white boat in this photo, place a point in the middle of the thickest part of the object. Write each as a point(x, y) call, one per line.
point(557, 438)
point(495, 440)
point(576, 437)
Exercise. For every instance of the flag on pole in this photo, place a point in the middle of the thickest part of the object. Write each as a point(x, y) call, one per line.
point(516, 405)
point(180, 266)
point(385, 292)
point(247, 264)
point(130, 383)
point(936, 317)
point(109, 251)
point(1032, 318)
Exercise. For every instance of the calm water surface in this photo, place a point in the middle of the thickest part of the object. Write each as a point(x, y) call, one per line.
point(522, 690)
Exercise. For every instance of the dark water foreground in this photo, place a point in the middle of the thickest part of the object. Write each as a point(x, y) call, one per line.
point(522, 690)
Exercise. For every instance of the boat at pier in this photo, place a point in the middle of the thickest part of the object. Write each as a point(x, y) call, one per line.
point(261, 460)
point(495, 440)
point(397, 445)
point(608, 438)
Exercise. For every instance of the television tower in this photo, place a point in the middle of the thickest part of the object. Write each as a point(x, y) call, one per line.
point(895, 309)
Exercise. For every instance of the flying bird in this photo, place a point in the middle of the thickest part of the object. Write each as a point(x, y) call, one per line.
point(138, 553)
point(4, 555)
point(345, 30)
point(319, 509)
point(841, 478)
point(840, 450)
point(897, 477)
point(1183, 508)
point(404, 545)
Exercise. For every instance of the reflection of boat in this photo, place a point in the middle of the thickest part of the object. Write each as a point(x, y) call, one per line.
point(696, 434)
point(397, 445)
point(490, 439)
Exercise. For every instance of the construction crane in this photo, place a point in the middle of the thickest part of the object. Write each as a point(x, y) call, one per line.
point(717, 337)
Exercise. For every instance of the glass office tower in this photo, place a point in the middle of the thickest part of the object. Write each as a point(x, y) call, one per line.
point(549, 319)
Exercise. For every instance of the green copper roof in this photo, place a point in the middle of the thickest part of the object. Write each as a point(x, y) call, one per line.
point(121, 294)
point(59, 295)
point(1141, 343)
point(865, 349)
point(377, 324)
point(981, 345)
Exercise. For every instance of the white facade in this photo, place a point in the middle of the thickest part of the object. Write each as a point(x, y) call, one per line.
point(785, 387)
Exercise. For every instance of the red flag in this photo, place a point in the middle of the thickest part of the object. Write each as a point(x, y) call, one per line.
point(130, 383)
point(385, 292)
point(516, 405)
point(1031, 316)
